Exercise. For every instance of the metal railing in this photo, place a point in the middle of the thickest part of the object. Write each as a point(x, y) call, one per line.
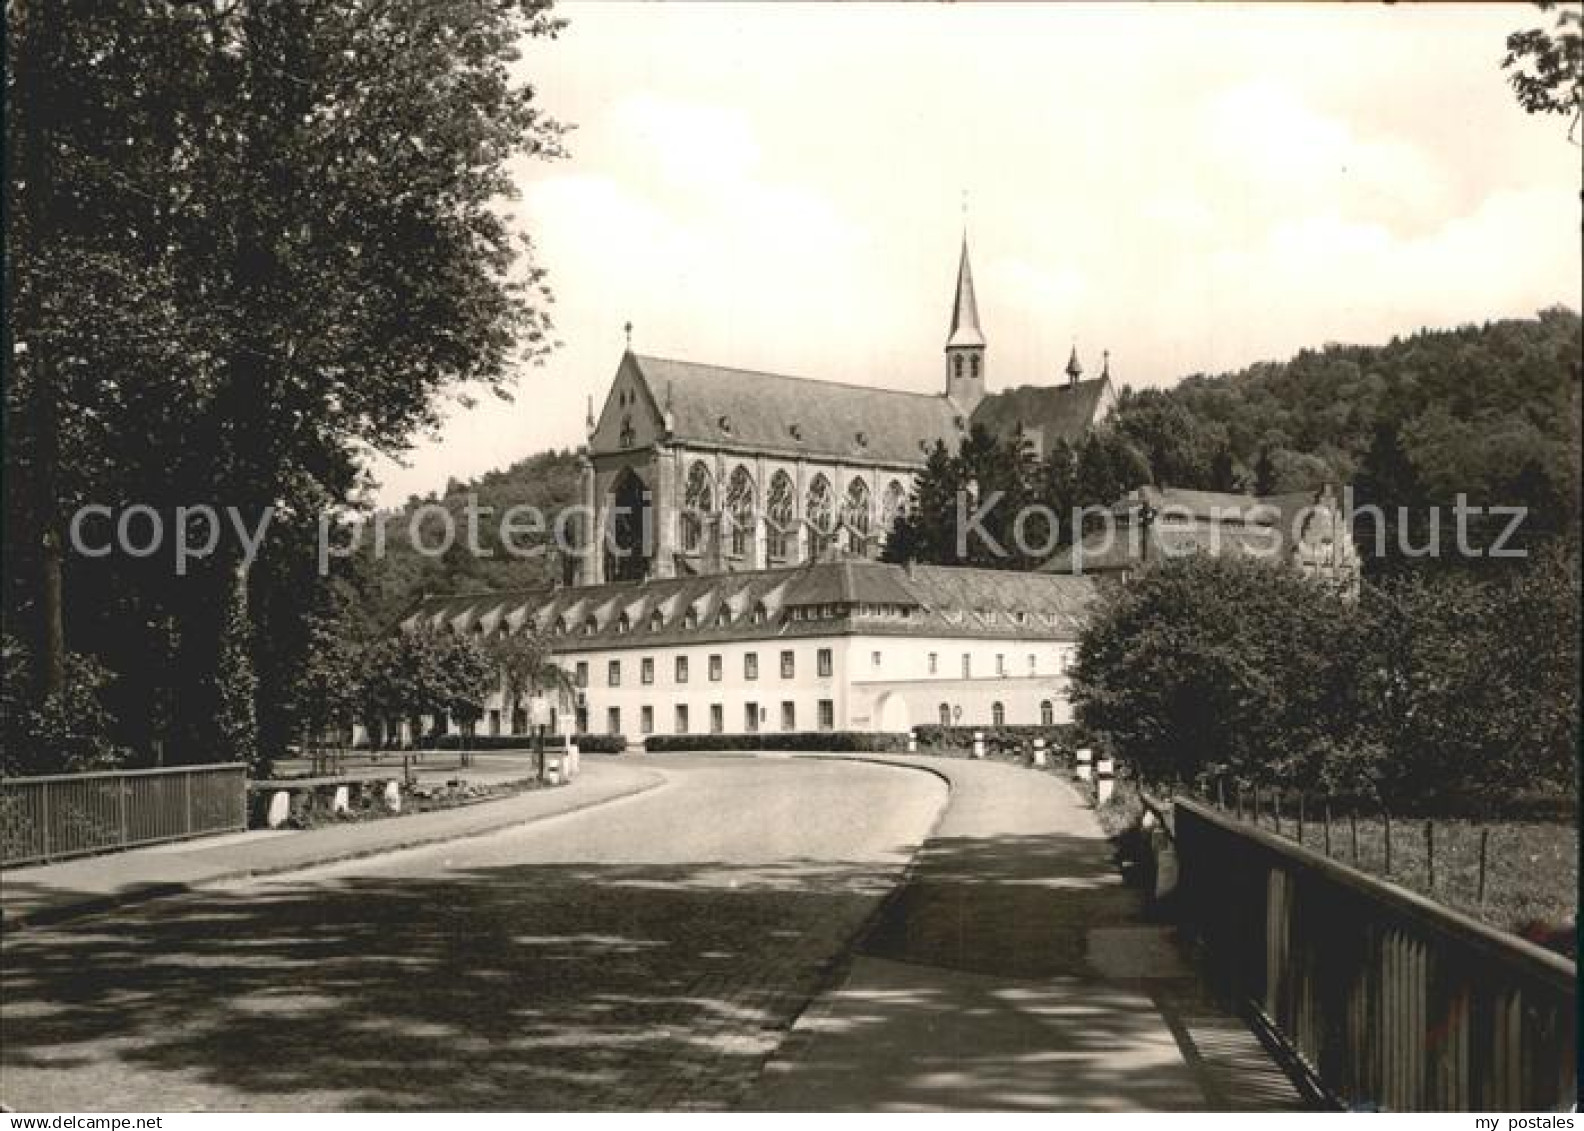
point(1383, 999)
point(62, 815)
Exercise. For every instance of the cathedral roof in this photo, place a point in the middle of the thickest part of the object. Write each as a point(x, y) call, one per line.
point(1045, 412)
point(739, 408)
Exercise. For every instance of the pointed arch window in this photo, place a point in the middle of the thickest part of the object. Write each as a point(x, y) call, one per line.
point(778, 512)
point(698, 504)
point(819, 508)
point(957, 365)
point(855, 514)
point(973, 366)
point(740, 500)
point(893, 502)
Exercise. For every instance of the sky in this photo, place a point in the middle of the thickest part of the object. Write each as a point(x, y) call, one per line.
point(1191, 187)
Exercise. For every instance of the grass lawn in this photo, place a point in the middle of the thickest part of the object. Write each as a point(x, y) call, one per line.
point(1531, 874)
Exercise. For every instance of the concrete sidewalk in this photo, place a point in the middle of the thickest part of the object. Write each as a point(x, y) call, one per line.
point(52, 892)
point(1013, 970)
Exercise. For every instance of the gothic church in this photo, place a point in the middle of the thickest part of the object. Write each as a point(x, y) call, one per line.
point(700, 469)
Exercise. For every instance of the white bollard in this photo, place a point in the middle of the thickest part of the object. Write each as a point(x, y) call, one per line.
point(1082, 766)
point(978, 744)
point(279, 809)
point(1104, 784)
point(1039, 753)
point(342, 801)
point(574, 761)
point(393, 796)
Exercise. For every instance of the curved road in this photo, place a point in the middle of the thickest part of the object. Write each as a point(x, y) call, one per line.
point(648, 953)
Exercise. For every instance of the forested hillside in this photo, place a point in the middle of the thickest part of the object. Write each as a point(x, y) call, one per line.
point(1491, 411)
point(545, 480)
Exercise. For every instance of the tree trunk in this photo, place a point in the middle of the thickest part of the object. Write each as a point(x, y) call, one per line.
point(35, 26)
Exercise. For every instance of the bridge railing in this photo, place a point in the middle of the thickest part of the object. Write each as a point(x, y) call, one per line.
point(64, 815)
point(1382, 998)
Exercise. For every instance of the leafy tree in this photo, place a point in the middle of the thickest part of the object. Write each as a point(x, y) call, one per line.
point(301, 258)
point(68, 730)
point(523, 659)
point(1546, 69)
point(1223, 470)
point(1203, 667)
point(1449, 692)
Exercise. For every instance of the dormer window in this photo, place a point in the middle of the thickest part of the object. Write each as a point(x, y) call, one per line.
point(862, 438)
point(560, 627)
point(656, 621)
point(795, 430)
point(725, 424)
point(723, 618)
point(691, 619)
point(624, 624)
point(961, 423)
point(590, 626)
point(760, 614)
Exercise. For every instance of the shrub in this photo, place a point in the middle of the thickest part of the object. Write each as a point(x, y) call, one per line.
point(840, 741)
point(600, 743)
point(64, 733)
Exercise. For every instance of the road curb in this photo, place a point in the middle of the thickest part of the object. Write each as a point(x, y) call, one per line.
point(820, 1002)
point(148, 893)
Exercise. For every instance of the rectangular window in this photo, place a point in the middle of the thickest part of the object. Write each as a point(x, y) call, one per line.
point(1033, 664)
point(824, 661)
point(827, 714)
point(715, 669)
point(646, 669)
point(934, 663)
point(788, 715)
point(1000, 665)
point(646, 720)
point(750, 717)
point(681, 671)
point(717, 718)
point(874, 659)
point(681, 718)
point(582, 673)
point(788, 665)
point(967, 666)
point(613, 720)
point(613, 673)
point(750, 665)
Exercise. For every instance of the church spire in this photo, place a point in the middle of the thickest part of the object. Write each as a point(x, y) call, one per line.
point(965, 344)
point(965, 310)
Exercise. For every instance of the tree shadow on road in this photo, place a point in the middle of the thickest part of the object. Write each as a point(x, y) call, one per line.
point(538, 987)
point(560, 986)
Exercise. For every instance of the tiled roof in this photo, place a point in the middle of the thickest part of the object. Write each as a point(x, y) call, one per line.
point(1045, 412)
point(849, 582)
point(939, 601)
point(1213, 522)
point(795, 415)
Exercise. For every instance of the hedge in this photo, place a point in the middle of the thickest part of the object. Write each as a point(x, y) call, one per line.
point(1008, 741)
point(840, 741)
point(586, 743)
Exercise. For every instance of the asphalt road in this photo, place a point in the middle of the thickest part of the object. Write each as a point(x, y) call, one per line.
point(650, 953)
